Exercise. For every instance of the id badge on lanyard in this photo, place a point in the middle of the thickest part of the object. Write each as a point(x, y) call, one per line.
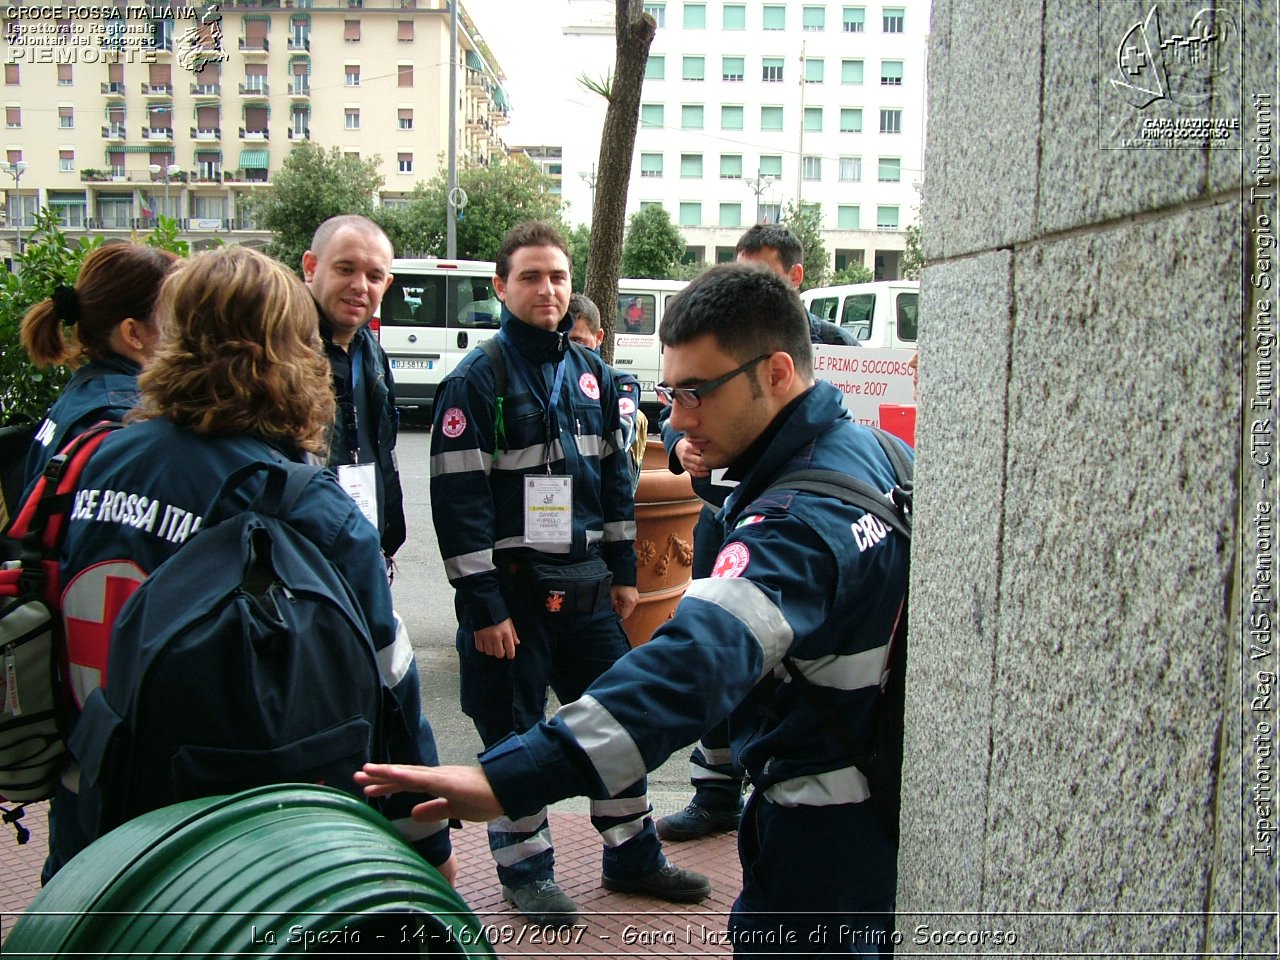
point(361, 483)
point(548, 510)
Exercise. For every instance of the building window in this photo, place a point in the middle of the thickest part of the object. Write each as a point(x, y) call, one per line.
point(695, 16)
point(890, 170)
point(352, 118)
point(695, 68)
point(770, 118)
point(691, 166)
point(891, 73)
point(650, 164)
point(691, 116)
point(775, 18)
point(814, 69)
point(64, 74)
point(730, 214)
point(13, 117)
point(66, 161)
point(771, 165)
point(851, 119)
point(730, 166)
point(812, 168)
point(735, 16)
point(887, 218)
point(771, 69)
point(11, 76)
point(690, 214)
point(353, 76)
point(855, 19)
point(814, 19)
point(890, 121)
point(656, 68)
point(894, 19)
point(405, 116)
point(731, 118)
point(66, 118)
point(404, 74)
point(848, 218)
point(850, 169)
point(850, 71)
point(770, 213)
point(404, 31)
point(404, 162)
point(658, 11)
point(651, 116)
point(351, 30)
point(813, 119)
point(733, 69)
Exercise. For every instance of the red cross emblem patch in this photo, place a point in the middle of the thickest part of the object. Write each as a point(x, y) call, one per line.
point(588, 385)
point(732, 560)
point(453, 423)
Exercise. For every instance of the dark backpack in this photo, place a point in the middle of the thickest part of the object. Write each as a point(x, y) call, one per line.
point(880, 756)
point(243, 660)
point(34, 701)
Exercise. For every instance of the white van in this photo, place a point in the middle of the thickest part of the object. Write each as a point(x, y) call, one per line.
point(433, 313)
point(879, 314)
point(636, 349)
point(436, 311)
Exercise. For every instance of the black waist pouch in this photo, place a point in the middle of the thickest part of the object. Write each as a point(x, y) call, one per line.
point(570, 588)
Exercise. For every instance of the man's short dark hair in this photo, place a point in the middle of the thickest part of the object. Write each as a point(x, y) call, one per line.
point(529, 233)
point(324, 233)
point(772, 236)
point(749, 310)
point(582, 307)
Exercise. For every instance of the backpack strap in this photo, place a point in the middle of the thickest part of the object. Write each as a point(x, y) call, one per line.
point(850, 490)
point(492, 349)
point(284, 485)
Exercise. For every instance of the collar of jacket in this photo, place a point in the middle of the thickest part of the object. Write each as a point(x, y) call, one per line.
point(535, 344)
point(796, 425)
point(109, 363)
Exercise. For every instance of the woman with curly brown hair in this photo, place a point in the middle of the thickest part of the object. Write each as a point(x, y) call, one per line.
point(103, 328)
point(239, 377)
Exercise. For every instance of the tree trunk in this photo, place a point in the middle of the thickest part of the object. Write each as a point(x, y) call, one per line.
point(634, 30)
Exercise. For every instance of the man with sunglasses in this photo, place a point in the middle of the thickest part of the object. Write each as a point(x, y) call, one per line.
point(798, 576)
point(717, 779)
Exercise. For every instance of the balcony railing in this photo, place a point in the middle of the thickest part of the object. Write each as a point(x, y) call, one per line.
point(254, 134)
point(206, 133)
point(300, 43)
point(113, 87)
point(255, 89)
point(254, 45)
point(303, 133)
point(206, 89)
point(299, 89)
point(157, 89)
point(114, 131)
point(157, 133)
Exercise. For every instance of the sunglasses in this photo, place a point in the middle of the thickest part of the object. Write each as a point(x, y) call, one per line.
point(691, 397)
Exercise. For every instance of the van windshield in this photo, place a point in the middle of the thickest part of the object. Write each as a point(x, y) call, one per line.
point(637, 313)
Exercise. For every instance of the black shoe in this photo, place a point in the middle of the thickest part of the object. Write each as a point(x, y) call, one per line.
point(696, 821)
point(669, 882)
point(543, 902)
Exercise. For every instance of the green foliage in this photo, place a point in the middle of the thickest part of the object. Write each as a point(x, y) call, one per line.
point(579, 239)
point(499, 196)
point(653, 246)
point(853, 273)
point(806, 223)
point(312, 186)
point(165, 237)
point(913, 256)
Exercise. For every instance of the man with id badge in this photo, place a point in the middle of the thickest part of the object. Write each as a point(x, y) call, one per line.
point(348, 269)
point(532, 503)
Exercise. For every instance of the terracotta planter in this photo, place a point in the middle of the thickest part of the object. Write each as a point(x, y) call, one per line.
point(666, 513)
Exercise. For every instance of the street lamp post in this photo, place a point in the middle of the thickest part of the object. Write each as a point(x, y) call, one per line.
point(759, 185)
point(590, 180)
point(16, 170)
point(172, 170)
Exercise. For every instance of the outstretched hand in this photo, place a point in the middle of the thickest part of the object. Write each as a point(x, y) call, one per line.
point(461, 792)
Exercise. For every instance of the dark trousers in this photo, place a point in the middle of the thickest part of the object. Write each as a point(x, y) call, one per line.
point(566, 652)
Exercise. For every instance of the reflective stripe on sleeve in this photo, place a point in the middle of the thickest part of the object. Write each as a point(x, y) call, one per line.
point(460, 461)
point(605, 741)
point(395, 660)
point(850, 671)
point(846, 785)
point(468, 564)
point(619, 530)
point(747, 603)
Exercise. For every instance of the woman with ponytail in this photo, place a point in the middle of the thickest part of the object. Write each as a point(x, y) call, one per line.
point(102, 328)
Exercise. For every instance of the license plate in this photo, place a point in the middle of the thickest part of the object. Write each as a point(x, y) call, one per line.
point(646, 385)
point(400, 363)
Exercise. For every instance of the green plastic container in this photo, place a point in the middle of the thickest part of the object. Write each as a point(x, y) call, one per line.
point(288, 869)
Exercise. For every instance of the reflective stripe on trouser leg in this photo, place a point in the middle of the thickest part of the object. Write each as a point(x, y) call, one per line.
point(522, 848)
point(716, 779)
point(625, 823)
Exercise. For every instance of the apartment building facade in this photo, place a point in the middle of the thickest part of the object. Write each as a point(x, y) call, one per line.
point(747, 106)
point(187, 112)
